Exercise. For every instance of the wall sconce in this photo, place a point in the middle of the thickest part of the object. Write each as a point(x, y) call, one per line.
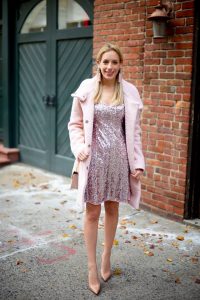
point(163, 12)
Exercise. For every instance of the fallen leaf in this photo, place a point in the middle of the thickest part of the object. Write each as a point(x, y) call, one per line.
point(63, 202)
point(131, 222)
point(154, 221)
point(123, 222)
point(180, 237)
point(194, 260)
point(65, 235)
point(16, 183)
point(177, 280)
point(19, 262)
point(37, 202)
point(197, 280)
point(72, 226)
point(151, 246)
point(116, 242)
point(127, 241)
point(56, 208)
point(117, 271)
point(175, 244)
point(169, 259)
point(134, 237)
point(149, 253)
point(24, 270)
point(122, 227)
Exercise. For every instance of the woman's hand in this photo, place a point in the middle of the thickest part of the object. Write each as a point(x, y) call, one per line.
point(137, 174)
point(83, 155)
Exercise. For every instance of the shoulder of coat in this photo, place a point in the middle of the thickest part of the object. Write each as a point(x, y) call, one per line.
point(131, 92)
point(84, 89)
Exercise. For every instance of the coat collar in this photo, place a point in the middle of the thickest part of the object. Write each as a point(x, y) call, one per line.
point(86, 90)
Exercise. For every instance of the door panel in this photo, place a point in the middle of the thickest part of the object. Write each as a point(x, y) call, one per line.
point(74, 64)
point(32, 114)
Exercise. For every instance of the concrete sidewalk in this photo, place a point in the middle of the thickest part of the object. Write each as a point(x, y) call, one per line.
point(42, 253)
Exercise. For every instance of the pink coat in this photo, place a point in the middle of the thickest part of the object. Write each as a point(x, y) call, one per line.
point(80, 131)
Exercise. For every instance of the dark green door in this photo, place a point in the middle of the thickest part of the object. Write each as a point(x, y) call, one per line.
point(54, 56)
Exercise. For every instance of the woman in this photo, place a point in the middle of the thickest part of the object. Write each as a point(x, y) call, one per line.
point(104, 131)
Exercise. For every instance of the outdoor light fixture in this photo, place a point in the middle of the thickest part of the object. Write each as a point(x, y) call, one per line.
point(163, 12)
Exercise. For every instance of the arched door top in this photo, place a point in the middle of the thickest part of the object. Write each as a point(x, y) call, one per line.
point(70, 14)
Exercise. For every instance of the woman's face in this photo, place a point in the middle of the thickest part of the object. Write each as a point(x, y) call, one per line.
point(109, 65)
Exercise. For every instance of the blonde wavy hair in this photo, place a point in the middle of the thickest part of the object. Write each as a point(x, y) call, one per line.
point(118, 97)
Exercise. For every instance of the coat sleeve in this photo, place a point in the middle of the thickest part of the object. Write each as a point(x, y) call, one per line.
point(76, 129)
point(139, 157)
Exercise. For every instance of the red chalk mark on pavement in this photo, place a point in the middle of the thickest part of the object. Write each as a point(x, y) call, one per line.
point(49, 261)
point(43, 233)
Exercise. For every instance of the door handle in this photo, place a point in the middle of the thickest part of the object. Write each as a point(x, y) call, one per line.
point(49, 100)
point(45, 99)
point(52, 100)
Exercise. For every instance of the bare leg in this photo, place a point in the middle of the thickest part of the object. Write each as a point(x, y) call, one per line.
point(110, 225)
point(90, 233)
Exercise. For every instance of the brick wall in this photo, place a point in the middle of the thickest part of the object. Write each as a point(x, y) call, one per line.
point(161, 69)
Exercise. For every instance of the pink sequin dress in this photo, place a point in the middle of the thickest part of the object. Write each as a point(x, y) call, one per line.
point(108, 177)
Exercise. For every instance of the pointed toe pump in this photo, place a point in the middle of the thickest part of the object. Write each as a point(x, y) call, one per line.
point(95, 289)
point(106, 277)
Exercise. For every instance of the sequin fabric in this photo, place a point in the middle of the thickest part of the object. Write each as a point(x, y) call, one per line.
point(108, 177)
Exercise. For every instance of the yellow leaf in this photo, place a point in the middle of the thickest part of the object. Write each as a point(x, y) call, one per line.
point(115, 242)
point(16, 183)
point(65, 235)
point(180, 237)
point(73, 227)
point(132, 222)
point(123, 222)
point(175, 244)
point(169, 259)
point(117, 271)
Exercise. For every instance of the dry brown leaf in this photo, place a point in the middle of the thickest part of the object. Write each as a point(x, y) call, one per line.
point(149, 253)
point(175, 244)
point(134, 237)
point(177, 280)
point(131, 222)
point(122, 227)
point(194, 260)
point(63, 202)
point(154, 221)
point(180, 238)
point(197, 280)
point(117, 271)
point(56, 208)
point(19, 262)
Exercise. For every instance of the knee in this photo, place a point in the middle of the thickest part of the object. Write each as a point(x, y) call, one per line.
point(112, 209)
point(92, 214)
